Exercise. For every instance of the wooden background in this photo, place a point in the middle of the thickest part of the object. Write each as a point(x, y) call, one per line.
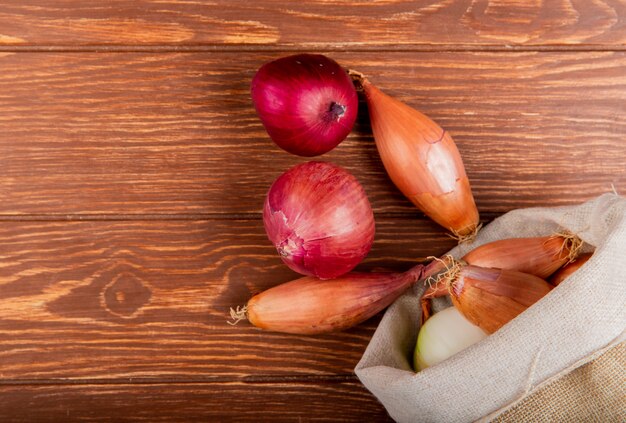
point(133, 170)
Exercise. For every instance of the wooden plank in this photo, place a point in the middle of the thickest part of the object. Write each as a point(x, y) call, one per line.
point(314, 23)
point(150, 300)
point(132, 133)
point(224, 402)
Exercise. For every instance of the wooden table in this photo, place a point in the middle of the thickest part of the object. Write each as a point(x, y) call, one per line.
point(133, 170)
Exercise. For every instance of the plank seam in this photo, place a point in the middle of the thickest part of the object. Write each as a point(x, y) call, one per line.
point(383, 48)
point(485, 216)
point(261, 379)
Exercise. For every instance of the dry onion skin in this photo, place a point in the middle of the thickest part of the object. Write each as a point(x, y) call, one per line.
point(423, 161)
point(569, 269)
point(539, 256)
point(490, 298)
point(312, 306)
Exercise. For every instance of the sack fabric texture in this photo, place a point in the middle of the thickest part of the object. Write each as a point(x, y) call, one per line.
point(533, 358)
point(594, 392)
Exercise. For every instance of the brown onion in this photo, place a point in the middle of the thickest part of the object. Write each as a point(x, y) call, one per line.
point(310, 306)
point(567, 270)
point(423, 161)
point(490, 298)
point(539, 256)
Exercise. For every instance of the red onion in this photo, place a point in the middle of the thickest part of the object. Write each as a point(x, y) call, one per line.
point(320, 220)
point(306, 102)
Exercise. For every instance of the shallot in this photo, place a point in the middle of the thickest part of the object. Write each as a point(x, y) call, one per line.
point(423, 161)
point(311, 306)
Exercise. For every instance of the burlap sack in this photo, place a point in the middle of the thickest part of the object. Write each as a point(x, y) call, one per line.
point(580, 319)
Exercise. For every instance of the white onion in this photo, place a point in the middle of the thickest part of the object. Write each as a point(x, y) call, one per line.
point(443, 335)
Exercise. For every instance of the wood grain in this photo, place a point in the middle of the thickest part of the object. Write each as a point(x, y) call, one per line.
point(314, 23)
point(111, 134)
point(346, 401)
point(131, 183)
point(150, 299)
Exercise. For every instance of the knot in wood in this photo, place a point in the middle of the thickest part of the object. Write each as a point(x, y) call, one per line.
point(126, 295)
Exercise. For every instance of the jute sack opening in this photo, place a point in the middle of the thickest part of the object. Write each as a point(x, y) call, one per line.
point(580, 318)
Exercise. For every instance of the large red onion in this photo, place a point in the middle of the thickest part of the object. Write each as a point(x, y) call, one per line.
point(320, 220)
point(307, 103)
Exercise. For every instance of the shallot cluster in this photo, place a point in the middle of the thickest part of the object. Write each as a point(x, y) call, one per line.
point(492, 285)
point(318, 217)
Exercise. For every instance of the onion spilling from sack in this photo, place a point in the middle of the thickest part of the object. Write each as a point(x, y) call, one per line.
point(442, 336)
point(320, 221)
point(539, 256)
point(569, 269)
point(489, 297)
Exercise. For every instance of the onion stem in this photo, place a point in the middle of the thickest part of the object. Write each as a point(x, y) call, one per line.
point(238, 314)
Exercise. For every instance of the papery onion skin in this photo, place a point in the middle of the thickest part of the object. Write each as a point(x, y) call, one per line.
point(318, 217)
point(307, 103)
point(490, 298)
point(539, 256)
point(312, 306)
point(423, 161)
point(567, 270)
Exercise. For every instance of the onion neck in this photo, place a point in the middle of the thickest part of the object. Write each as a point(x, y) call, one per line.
point(457, 287)
point(415, 273)
point(358, 79)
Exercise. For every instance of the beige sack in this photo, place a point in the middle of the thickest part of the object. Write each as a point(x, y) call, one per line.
point(580, 319)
